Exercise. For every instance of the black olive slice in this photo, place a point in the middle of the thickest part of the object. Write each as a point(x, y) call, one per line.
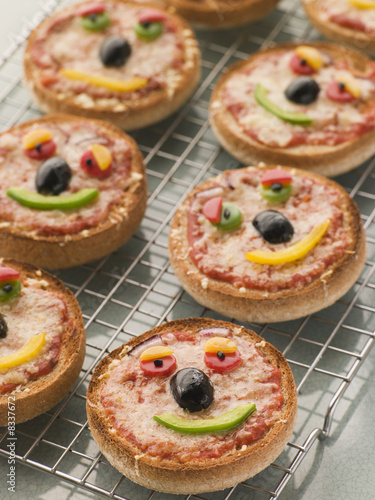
point(273, 226)
point(303, 90)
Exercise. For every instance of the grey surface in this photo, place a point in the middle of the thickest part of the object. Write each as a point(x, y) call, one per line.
point(339, 468)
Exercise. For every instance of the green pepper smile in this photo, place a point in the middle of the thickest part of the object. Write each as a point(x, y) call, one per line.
point(226, 421)
point(41, 202)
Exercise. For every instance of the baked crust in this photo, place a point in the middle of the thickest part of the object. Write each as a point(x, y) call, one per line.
point(40, 395)
point(141, 112)
point(207, 475)
point(61, 251)
point(263, 306)
point(322, 159)
point(222, 14)
point(359, 40)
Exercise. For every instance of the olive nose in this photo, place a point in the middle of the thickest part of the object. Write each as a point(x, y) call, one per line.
point(192, 389)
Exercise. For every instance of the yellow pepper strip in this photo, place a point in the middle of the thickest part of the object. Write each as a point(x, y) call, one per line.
point(34, 137)
point(292, 253)
point(222, 344)
point(26, 353)
point(351, 84)
point(104, 81)
point(363, 4)
point(155, 352)
point(311, 55)
point(102, 156)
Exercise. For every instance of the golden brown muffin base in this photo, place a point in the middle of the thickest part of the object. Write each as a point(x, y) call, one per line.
point(40, 395)
point(208, 475)
point(57, 252)
point(225, 14)
point(322, 159)
point(260, 305)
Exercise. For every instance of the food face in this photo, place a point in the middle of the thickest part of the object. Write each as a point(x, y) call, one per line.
point(291, 229)
point(106, 54)
point(318, 99)
point(203, 383)
point(70, 174)
point(28, 353)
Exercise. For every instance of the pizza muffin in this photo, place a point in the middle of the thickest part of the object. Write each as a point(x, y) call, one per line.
point(130, 63)
point(348, 21)
point(42, 341)
point(309, 106)
point(192, 406)
point(267, 244)
point(71, 190)
point(219, 14)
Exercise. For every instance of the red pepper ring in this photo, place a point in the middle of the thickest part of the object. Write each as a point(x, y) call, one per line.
point(222, 364)
point(92, 8)
point(276, 175)
point(151, 16)
point(42, 150)
point(167, 367)
point(90, 165)
point(212, 209)
point(300, 66)
point(338, 93)
point(8, 274)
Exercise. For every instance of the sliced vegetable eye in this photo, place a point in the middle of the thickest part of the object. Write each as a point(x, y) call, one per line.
point(157, 361)
point(148, 31)
point(97, 161)
point(231, 216)
point(10, 284)
point(94, 17)
point(38, 144)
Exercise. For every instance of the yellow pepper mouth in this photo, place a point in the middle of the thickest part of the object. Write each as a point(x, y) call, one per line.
point(295, 252)
point(26, 353)
point(104, 81)
point(363, 4)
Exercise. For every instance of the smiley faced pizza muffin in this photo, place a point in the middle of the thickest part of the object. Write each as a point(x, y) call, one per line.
point(349, 21)
point(42, 341)
point(192, 406)
point(218, 14)
point(71, 190)
point(309, 106)
point(267, 243)
point(130, 63)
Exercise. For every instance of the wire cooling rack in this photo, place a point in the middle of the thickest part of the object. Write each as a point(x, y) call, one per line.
point(134, 289)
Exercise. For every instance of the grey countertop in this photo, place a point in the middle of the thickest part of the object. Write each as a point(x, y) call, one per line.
point(340, 467)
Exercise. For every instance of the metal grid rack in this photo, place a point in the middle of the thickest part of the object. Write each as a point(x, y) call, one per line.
point(134, 289)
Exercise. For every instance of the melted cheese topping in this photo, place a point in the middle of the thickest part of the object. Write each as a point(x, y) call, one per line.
point(333, 122)
point(330, 9)
point(222, 254)
point(64, 43)
point(72, 140)
point(131, 399)
point(37, 310)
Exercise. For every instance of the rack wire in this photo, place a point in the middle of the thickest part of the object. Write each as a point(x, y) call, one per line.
point(134, 289)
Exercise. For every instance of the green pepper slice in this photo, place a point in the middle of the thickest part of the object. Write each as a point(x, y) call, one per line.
point(261, 98)
point(40, 202)
point(227, 420)
point(148, 31)
point(96, 21)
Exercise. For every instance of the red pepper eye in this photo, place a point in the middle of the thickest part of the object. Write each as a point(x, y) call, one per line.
point(336, 91)
point(42, 150)
point(220, 362)
point(159, 367)
point(300, 66)
point(97, 161)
